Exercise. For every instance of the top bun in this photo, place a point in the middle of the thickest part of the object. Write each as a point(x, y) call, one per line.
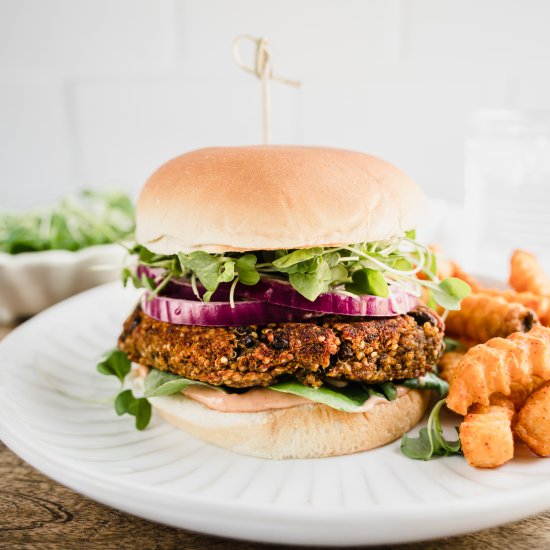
point(224, 199)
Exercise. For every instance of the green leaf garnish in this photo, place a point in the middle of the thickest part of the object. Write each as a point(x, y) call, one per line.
point(402, 264)
point(205, 266)
point(313, 282)
point(127, 275)
point(298, 256)
point(246, 269)
point(431, 299)
point(368, 281)
point(345, 399)
point(429, 381)
point(389, 390)
point(159, 382)
point(127, 403)
point(338, 274)
point(430, 441)
point(147, 282)
point(450, 292)
point(455, 287)
point(116, 363)
point(227, 272)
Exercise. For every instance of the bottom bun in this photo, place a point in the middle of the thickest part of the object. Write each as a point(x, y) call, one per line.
point(303, 431)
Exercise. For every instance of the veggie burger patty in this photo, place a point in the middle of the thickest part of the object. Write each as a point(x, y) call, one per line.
point(324, 349)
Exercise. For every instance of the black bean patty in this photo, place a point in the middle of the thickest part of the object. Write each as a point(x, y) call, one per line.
point(323, 349)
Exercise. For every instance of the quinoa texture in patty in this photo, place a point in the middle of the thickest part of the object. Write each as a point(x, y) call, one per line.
point(326, 348)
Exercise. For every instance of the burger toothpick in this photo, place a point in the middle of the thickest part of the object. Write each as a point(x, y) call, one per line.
point(264, 71)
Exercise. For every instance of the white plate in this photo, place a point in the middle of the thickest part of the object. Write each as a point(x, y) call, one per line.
point(47, 372)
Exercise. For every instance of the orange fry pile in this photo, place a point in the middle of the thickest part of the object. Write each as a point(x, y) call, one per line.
point(502, 385)
point(522, 358)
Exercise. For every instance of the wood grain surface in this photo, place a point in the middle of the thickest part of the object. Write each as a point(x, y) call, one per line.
point(36, 512)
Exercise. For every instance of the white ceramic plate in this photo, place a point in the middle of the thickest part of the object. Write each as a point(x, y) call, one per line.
point(48, 416)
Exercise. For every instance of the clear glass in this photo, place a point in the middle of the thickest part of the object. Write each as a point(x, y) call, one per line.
point(507, 193)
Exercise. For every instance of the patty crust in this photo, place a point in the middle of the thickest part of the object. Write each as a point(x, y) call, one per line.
point(317, 351)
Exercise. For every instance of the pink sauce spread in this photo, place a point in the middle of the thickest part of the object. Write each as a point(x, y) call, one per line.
point(256, 399)
point(263, 399)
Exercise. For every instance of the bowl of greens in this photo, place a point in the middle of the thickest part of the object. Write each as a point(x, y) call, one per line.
point(53, 252)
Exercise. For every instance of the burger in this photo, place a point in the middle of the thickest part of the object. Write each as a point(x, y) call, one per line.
point(283, 310)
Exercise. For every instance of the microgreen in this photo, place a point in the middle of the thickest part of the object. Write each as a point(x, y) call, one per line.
point(389, 390)
point(364, 268)
point(116, 363)
point(297, 257)
point(246, 269)
point(159, 382)
point(79, 221)
point(430, 441)
point(429, 381)
point(314, 280)
point(450, 292)
point(206, 267)
point(127, 403)
point(368, 281)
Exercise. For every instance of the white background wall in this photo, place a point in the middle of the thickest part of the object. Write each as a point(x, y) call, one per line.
point(94, 93)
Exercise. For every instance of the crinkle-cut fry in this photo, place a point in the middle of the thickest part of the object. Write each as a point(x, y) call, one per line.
point(482, 317)
point(539, 304)
point(537, 349)
point(479, 374)
point(486, 436)
point(448, 363)
point(533, 421)
point(527, 275)
point(490, 368)
point(519, 369)
point(459, 273)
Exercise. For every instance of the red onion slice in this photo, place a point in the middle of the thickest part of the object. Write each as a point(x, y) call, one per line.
point(282, 293)
point(219, 314)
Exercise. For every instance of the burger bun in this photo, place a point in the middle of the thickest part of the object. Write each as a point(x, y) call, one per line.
point(303, 431)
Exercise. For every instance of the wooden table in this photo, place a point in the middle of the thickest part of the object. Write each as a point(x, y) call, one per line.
point(36, 512)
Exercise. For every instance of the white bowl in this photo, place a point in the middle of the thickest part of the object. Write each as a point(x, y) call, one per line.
point(33, 281)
